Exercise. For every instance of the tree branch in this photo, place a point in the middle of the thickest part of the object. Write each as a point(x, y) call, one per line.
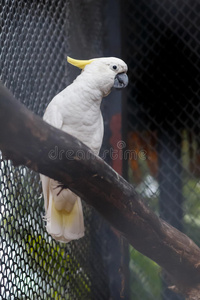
point(27, 140)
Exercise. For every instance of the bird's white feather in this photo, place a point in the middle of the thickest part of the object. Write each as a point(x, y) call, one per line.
point(76, 110)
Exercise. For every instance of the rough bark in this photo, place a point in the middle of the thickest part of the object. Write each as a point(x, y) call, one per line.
point(27, 140)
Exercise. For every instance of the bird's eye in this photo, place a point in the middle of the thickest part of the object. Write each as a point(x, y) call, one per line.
point(114, 67)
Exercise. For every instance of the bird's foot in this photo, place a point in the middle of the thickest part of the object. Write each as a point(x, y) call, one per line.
point(62, 187)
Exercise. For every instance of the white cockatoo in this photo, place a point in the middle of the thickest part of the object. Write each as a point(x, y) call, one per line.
point(76, 110)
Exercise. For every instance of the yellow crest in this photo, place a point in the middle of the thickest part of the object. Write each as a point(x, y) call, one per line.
point(79, 63)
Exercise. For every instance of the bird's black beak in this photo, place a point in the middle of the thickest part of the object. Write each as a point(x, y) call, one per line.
point(121, 81)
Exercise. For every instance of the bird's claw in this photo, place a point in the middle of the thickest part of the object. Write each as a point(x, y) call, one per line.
point(62, 187)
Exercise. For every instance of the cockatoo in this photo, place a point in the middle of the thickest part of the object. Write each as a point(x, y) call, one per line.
point(76, 110)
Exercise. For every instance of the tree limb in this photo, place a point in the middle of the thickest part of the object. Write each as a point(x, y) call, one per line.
point(27, 140)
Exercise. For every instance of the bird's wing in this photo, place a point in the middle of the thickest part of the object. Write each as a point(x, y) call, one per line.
point(64, 215)
point(53, 116)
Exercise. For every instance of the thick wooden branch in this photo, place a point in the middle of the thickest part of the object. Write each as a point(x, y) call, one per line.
point(27, 140)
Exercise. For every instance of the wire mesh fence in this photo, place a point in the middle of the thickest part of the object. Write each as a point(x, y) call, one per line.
point(161, 47)
point(160, 42)
point(36, 37)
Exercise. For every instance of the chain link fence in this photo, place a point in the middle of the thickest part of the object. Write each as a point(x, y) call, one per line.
point(160, 43)
point(36, 37)
point(161, 46)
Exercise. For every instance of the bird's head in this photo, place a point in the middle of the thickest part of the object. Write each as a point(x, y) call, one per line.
point(103, 73)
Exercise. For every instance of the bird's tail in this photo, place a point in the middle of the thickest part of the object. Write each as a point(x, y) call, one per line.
point(64, 214)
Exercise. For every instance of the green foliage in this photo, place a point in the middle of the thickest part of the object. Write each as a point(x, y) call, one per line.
point(39, 263)
point(191, 185)
point(144, 273)
point(144, 277)
point(191, 207)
